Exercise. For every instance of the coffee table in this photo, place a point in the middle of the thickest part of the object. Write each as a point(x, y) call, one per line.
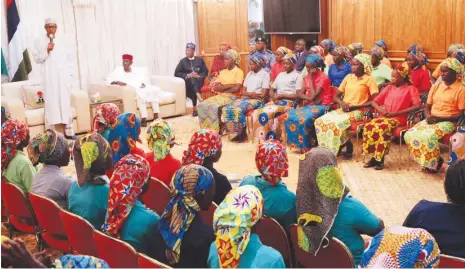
point(105, 100)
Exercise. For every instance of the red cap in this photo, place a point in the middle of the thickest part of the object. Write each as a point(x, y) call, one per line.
point(127, 57)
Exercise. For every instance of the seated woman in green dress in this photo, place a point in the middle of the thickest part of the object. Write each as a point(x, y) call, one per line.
point(88, 196)
point(272, 163)
point(236, 244)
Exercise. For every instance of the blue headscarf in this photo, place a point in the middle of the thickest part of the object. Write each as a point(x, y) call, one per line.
point(79, 261)
point(316, 60)
point(188, 182)
point(328, 43)
point(460, 56)
point(381, 44)
point(258, 59)
point(124, 135)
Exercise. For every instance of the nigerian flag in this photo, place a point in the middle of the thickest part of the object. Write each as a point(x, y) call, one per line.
point(4, 70)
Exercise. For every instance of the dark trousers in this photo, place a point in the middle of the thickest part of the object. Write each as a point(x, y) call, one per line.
point(193, 86)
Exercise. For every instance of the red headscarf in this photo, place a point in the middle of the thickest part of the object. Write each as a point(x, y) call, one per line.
point(13, 133)
point(130, 175)
point(271, 161)
point(105, 114)
point(204, 143)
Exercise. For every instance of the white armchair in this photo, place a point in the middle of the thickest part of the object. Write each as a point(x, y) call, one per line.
point(12, 100)
point(170, 105)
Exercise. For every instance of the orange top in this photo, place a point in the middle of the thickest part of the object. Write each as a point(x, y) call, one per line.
point(358, 91)
point(447, 101)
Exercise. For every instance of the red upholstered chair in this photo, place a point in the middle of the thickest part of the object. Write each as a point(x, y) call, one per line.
point(48, 216)
point(335, 255)
point(272, 234)
point(116, 253)
point(80, 233)
point(157, 196)
point(147, 262)
point(20, 215)
point(447, 261)
point(207, 216)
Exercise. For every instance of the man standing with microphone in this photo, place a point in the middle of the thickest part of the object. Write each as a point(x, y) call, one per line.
point(57, 77)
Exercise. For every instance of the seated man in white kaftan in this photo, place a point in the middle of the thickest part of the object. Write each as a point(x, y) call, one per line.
point(137, 78)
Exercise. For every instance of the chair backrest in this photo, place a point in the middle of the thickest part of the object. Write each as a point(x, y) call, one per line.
point(157, 196)
point(80, 233)
point(147, 262)
point(116, 253)
point(447, 261)
point(207, 216)
point(272, 234)
point(16, 202)
point(325, 257)
point(48, 214)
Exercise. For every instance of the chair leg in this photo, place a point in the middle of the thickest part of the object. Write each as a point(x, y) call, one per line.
point(40, 242)
point(10, 230)
point(357, 142)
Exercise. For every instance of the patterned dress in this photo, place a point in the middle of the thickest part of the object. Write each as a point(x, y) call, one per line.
point(234, 114)
point(423, 142)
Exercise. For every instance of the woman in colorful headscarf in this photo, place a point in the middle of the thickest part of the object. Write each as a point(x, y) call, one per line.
point(394, 104)
point(283, 93)
point(383, 45)
point(445, 105)
point(420, 77)
point(205, 148)
point(51, 149)
point(341, 67)
point(359, 88)
point(183, 240)
point(355, 48)
point(105, 117)
point(217, 66)
point(227, 89)
point(278, 66)
point(381, 73)
point(316, 92)
point(318, 50)
point(256, 85)
point(401, 247)
point(160, 139)
point(451, 53)
point(236, 244)
point(328, 46)
point(123, 136)
point(325, 207)
point(444, 220)
point(88, 196)
point(127, 217)
point(272, 163)
point(79, 261)
point(17, 169)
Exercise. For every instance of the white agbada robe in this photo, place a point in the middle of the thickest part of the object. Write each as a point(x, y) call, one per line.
point(135, 78)
point(58, 80)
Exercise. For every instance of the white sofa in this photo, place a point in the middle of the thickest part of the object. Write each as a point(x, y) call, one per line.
point(170, 106)
point(12, 100)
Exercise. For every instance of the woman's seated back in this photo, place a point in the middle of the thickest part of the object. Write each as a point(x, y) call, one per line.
point(127, 218)
point(445, 221)
point(88, 196)
point(160, 139)
point(324, 206)
point(17, 169)
point(272, 163)
point(182, 239)
point(400, 247)
point(236, 244)
point(51, 149)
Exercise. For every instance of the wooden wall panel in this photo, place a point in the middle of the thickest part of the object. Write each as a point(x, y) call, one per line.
point(223, 21)
point(434, 24)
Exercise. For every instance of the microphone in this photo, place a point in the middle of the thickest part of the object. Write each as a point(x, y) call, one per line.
point(51, 37)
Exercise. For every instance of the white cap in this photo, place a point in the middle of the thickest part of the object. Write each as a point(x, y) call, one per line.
point(50, 21)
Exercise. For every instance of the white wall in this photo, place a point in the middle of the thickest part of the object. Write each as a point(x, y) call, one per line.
point(154, 31)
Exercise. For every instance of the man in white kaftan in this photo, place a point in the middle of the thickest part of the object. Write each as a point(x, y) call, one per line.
point(54, 56)
point(137, 78)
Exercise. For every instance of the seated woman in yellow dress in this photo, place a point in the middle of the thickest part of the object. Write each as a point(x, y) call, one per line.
point(227, 86)
point(445, 105)
point(256, 85)
point(359, 88)
point(283, 92)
